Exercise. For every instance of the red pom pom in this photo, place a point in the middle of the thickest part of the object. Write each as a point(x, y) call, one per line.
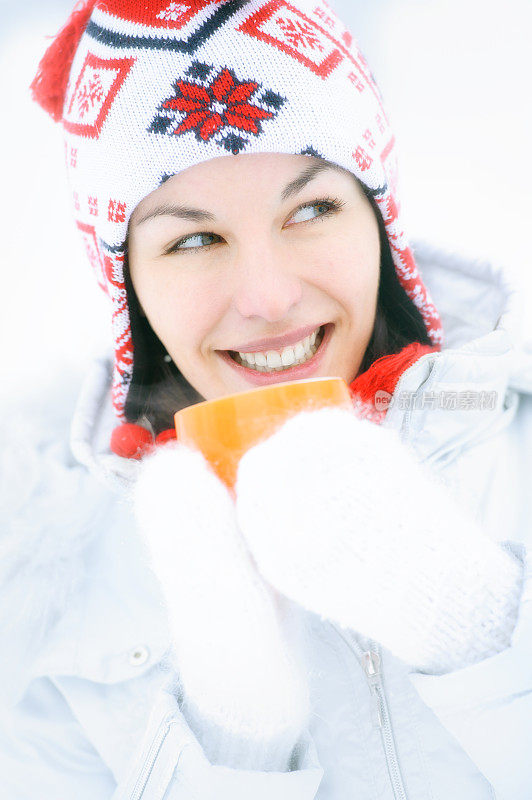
point(385, 372)
point(166, 436)
point(48, 87)
point(131, 441)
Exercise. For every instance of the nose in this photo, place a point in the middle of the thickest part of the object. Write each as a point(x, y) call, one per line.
point(266, 286)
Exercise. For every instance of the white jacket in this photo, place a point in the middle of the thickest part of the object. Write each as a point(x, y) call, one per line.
point(87, 708)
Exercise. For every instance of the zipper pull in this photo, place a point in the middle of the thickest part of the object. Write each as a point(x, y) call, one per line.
point(372, 667)
point(371, 662)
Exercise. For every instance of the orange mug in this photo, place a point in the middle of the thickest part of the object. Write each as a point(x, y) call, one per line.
point(225, 428)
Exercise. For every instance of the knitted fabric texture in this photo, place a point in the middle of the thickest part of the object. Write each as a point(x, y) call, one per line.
point(156, 87)
point(243, 692)
point(378, 545)
point(372, 390)
point(414, 572)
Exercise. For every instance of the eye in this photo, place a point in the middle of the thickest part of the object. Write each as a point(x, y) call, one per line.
point(183, 244)
point(326, 207)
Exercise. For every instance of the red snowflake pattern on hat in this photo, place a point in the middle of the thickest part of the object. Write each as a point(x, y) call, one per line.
point(90, 95)
point(300, 34)
point(363, 160)
point(94, 91)
point(209, 108)
point(283, 25)
point(154, 14)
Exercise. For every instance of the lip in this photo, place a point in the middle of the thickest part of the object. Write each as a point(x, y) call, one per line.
point(276, 342)
point(298, 372)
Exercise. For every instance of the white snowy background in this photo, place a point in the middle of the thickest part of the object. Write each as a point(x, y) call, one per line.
point(455, 75)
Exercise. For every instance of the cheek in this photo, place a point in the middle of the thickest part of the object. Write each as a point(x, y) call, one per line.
point(182, 310)
point(349, 272)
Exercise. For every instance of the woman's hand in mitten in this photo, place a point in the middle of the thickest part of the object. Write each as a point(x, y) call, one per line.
point(244, 695)
point(341, 518)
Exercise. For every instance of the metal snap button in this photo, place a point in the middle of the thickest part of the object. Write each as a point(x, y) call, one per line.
point(139, 655)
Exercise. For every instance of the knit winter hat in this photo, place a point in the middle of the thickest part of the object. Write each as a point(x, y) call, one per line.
point(146, 89)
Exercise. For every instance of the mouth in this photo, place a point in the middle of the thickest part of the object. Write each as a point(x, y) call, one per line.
point(289, 363)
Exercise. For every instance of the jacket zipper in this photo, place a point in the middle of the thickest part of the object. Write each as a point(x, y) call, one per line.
point(371, 664)
point(155, 749)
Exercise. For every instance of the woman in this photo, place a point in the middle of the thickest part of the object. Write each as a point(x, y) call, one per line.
point(357, 622)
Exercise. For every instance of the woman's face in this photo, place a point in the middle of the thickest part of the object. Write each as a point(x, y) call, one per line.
point(254, 247)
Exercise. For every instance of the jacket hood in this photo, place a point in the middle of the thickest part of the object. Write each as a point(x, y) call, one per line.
point(66, 537)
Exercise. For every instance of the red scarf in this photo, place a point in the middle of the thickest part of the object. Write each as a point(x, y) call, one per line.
point(382, 377)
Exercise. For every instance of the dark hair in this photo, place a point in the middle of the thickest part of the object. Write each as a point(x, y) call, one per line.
point(158, 389)
point(398, 321)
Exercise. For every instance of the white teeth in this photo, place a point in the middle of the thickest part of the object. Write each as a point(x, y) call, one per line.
point(275, 360)
point(300, 350)
point(288, 357)
point(248, 357)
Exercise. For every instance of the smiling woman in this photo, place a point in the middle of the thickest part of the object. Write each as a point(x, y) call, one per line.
point(295, 249)
point(354, 619)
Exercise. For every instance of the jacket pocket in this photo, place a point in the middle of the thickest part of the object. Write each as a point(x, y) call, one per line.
point(171, 765)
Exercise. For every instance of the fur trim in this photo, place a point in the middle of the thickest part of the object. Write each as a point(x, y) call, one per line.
point(50, 510)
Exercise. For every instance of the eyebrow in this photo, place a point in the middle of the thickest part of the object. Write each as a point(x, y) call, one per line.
point(200, 215)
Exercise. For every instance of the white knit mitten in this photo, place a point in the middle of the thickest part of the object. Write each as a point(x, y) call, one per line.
point(244, 694)
point(341, 518)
